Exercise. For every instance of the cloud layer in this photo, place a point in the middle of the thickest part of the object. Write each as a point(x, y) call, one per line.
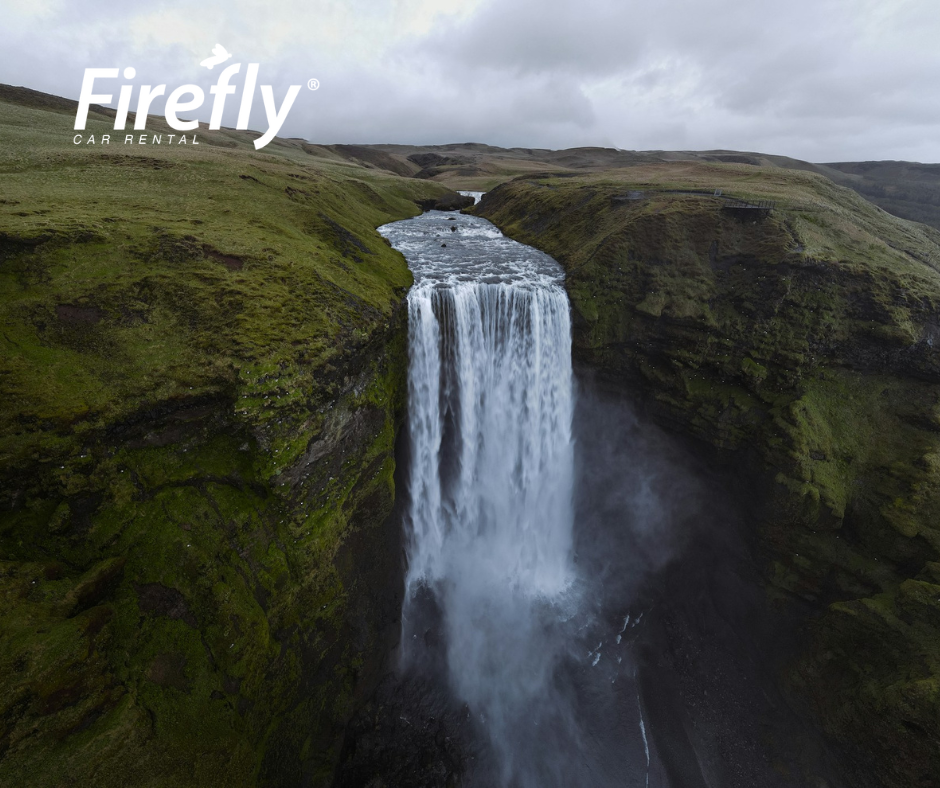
point(824, 80)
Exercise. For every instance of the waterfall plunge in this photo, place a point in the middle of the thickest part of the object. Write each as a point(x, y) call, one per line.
point(491, 483)
point(490, 394)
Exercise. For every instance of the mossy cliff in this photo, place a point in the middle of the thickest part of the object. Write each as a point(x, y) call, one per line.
point(202, 352)
point(801, 346)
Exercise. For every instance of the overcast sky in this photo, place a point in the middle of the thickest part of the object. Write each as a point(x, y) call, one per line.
point(823, 80)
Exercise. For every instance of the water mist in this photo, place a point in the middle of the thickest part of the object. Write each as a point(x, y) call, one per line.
point(490, 411)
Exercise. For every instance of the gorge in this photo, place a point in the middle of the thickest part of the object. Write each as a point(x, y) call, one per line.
point(713, 436)
point(558, 548)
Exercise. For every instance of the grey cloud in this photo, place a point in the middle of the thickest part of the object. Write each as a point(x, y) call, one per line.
point(554, 36)
point(824, 80)
point(437, 110)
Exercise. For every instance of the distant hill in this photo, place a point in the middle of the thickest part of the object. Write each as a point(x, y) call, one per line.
point(906, 189)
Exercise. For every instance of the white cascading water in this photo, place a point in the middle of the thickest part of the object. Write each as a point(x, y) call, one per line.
point(490, 412)
point(506, 515)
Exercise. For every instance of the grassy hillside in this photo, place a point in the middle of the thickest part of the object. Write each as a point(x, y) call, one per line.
point(202, 352)
point(904, 189)
point(800, 346)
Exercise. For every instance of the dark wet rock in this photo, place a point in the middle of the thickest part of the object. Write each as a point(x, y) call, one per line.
point(162, 601)
point(78, 315)
point(410, 735)
point(349, 244)
point(169, 670)
point(448, 202)
point(95, 585)
point(229, 261)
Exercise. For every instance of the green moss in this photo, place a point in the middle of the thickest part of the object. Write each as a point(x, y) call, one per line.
point(800, 348)
point(752, 369)
point(202, 355)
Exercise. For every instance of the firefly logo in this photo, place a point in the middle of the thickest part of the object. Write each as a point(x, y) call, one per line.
point(219, 55)
point(188, 98)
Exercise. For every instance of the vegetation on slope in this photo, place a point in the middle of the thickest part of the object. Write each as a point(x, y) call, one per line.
point(800, 345)
point(905, 189)
point(202, 352)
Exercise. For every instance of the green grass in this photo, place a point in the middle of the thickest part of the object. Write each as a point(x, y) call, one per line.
point(181, 328)
point(131, 238)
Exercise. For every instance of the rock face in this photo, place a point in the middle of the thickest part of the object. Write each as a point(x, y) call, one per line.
point(447, 202)
point(201, 390)
point(424, 160)
point(802, 350)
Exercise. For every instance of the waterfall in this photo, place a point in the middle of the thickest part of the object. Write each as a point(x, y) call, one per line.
point(490, 393)
point(490, 417)
point(553, 639)
point(477, 196)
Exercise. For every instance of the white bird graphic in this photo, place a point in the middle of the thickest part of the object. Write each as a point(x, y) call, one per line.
point(219, 55)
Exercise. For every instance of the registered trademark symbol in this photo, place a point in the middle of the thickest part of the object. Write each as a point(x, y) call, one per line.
point(313, 84)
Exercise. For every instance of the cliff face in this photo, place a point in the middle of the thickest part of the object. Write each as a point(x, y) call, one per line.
point(202, 375)
point(799, 345)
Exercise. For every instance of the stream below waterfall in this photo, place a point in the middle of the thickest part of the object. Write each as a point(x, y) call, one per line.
point(580, 605)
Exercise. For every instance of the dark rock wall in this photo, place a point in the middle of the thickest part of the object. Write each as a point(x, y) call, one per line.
point(807, 367)
point(185, 619)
